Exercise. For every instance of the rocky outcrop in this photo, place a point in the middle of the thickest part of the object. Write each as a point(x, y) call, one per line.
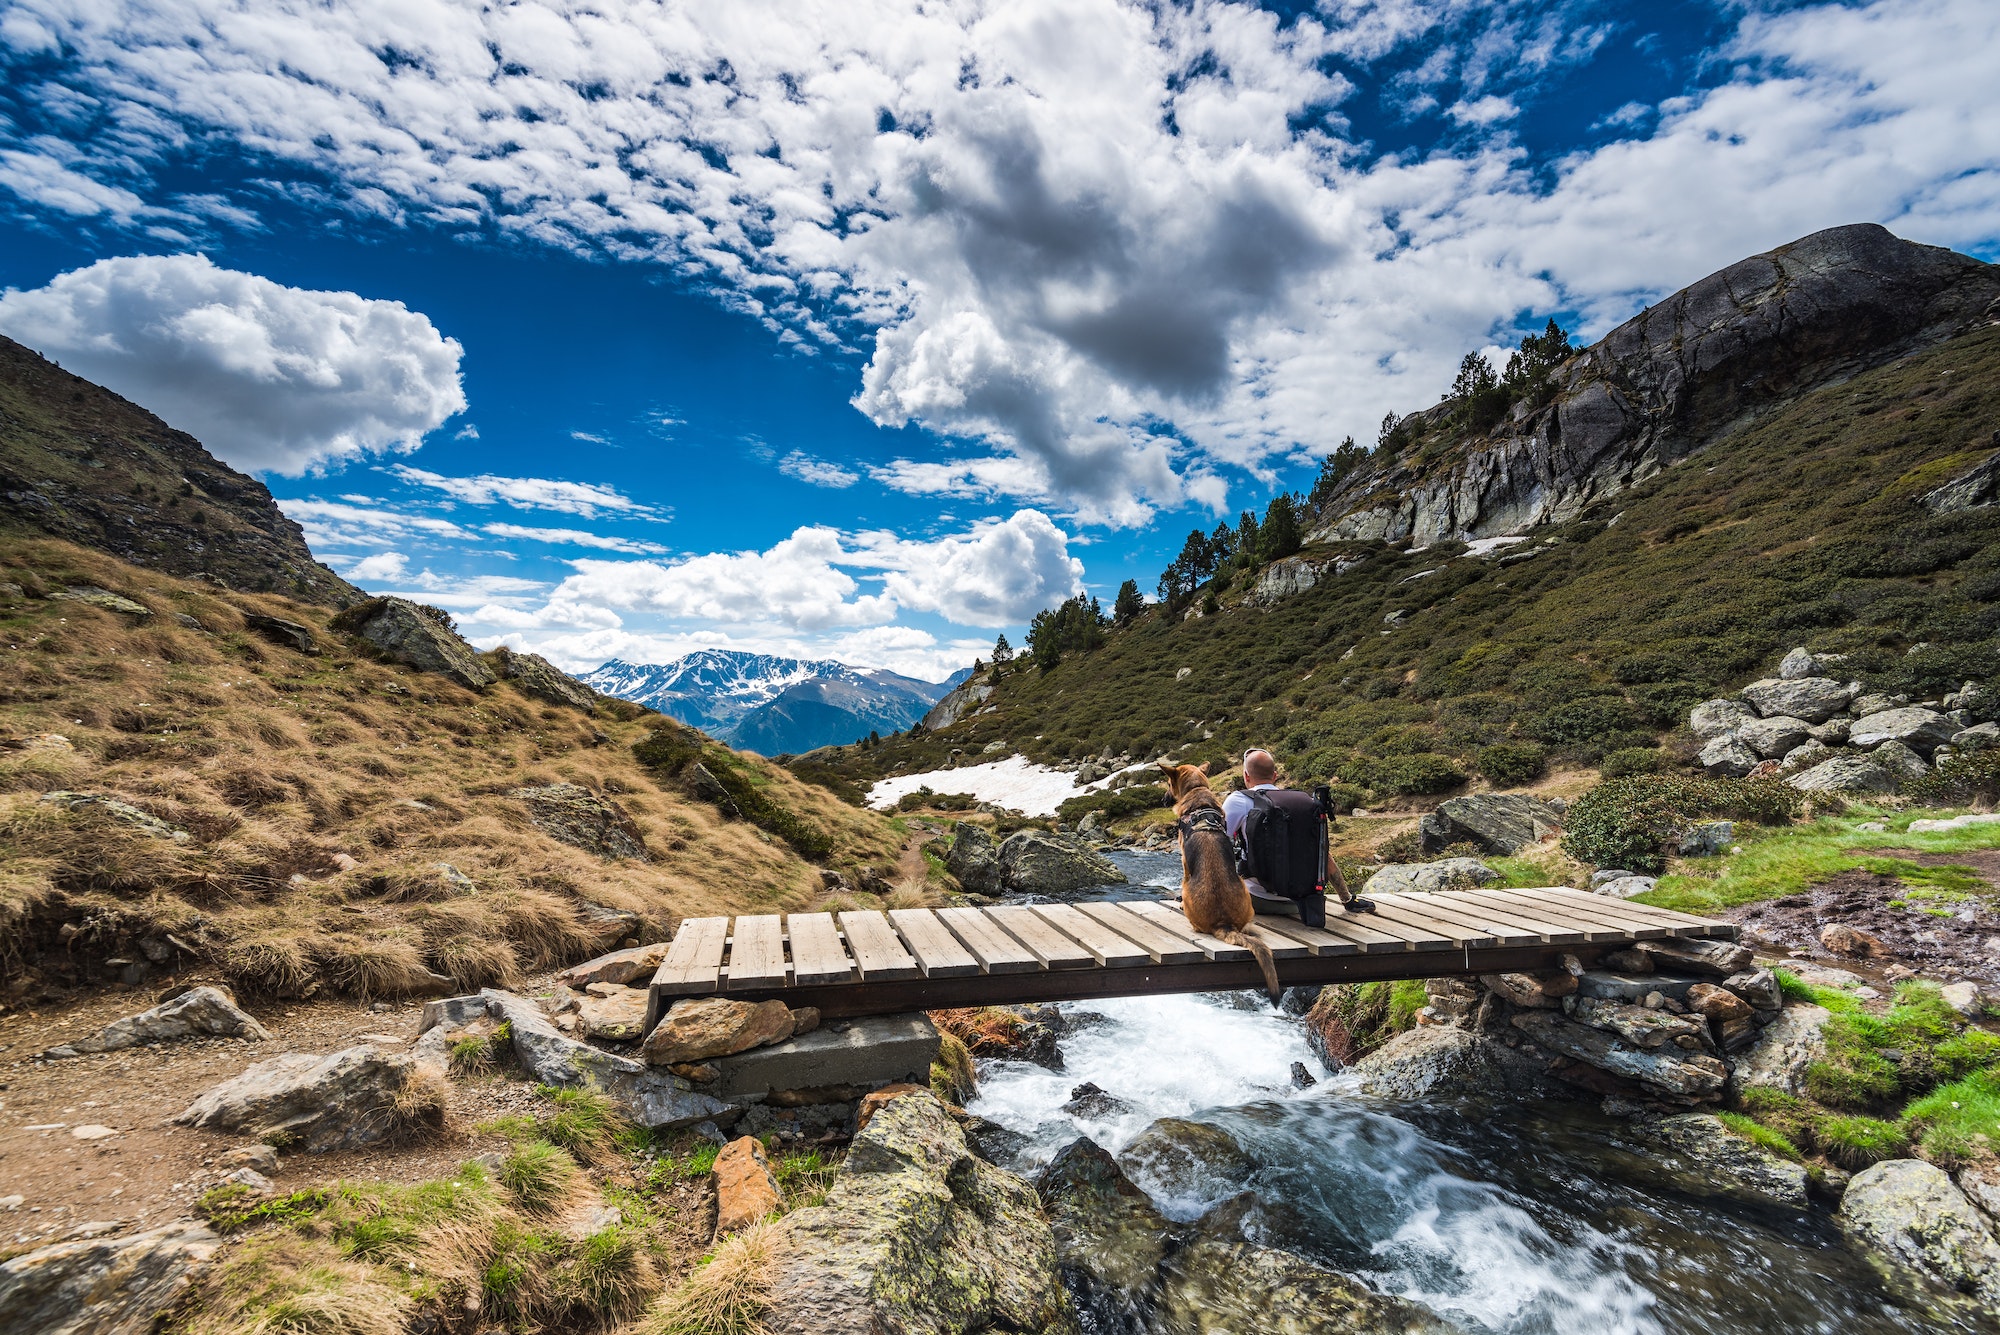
point(1294, 575)
point(1696, 368)
point(918, 1234)
point(103, 1286)
point(959, 701)
point(1402, 878)
point(974, 859)
point(1968, 491)
point(1036, 863)
point(536, 676)
point(1788, 1045)
point(311, 1103)
point(1845, 774)
point(1502, 823)
point(1911, 1212)
point(291, 634)
point(202, 1012)
point(89, 467)
point(414, 635)
point(590, 821)
point(1130, 1269)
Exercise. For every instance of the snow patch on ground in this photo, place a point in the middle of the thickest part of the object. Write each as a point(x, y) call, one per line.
point(1016, 783)
point(1488, 546)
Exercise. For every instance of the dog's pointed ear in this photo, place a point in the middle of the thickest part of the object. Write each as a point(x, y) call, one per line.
point(1202, 768)
point(1168, 768)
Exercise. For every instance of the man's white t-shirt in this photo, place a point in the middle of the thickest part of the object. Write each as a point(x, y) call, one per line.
point(1234, 808)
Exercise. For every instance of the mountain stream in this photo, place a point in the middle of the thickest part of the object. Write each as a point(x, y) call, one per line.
point(1517, 1217)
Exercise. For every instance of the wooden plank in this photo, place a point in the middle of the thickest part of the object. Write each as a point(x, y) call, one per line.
point(1568, 912)
point(996, 951)
point(1378, 937)
point(1173, 920)
point(1162, 945)
point(757, 953)
point(1051, 947)
point(1555, 931)
point(938, 952)
point(877, 951)
point(1107, 946)
point(1315, 941)
point(1446, 908)
point(1424, 931)
point(818, 954)
point(694, 960)
point(1565, 894)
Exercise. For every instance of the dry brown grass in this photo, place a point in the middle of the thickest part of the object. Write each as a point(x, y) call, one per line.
point(728, 1295)
point(278, 765)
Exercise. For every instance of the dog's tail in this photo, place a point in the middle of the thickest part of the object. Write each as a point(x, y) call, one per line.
point(1251, 940)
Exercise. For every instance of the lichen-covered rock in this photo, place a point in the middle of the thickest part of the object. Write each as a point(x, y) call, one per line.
point(612, 1011)
point(1902, 762)
point(1773, 737)
point(1668, 1069)
point(1922, 730)
point(590, 821)
point(102, 1286)
point(1718, 718)
point(1033, 862)
point(200, 1012)
point(1911, 1212)
point(92, 596)
point(974, 859)
point(1720, 959)
point(1501, 823)
point(1432, 1062)
point(1725, 755)
point(1783, 1050)
point(536, 676)
point(413, 635)
point(1735, 1165)
point(634, 965)
point(919, 1234)
point(698, 1028)
point(314, 1103)
point(745, 1191)
point(1845, 774)
point(1402, 878)
point(1808, 699)
point(124, 813)
point(280, 631)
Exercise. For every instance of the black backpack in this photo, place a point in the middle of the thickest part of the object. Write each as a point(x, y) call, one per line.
point(1283, 844)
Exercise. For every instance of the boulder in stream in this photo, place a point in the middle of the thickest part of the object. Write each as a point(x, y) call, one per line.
point(1911, 1212)
point(1732, 1165)
point(1036, 863)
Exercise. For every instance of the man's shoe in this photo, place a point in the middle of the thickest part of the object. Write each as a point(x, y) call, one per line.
point(1358, 905)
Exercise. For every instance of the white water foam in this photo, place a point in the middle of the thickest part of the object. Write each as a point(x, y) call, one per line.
point(1017, 783)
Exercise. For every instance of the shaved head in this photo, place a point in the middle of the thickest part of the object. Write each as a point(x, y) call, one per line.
point(1259, 767)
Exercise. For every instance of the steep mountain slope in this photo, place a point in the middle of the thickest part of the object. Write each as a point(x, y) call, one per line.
point(1829, 520)
point(80, 463)
point(769, 704)
point(347, 824)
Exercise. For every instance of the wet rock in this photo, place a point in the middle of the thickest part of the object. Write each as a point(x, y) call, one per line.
point(1844, 939)
point(1668, 1070)
point(745, 1191)
point(698, 1028)
point(1188, 1160)
point(1423, 877)
point(1921, 730)
point(1727, 757)
point(1911, 1212)
point(280, 631)
point(1772, 737)
point(1784, 1048)
point(92, 596)
point(649, 1096)
point(974, 859)
point(536, 676)
point(1685, 955)
point(1298, 1000)
point(1502, 823)
point(1432, 1062)
point(1033, 862)
point(1845, 774)
point(1741, 1168)
point(1110, 1238)
point(313, 1103)
point(413, 635)
point(1301, 1077)
point(587, 820)
point(103, 1286)
point(1088, 1101)
point(1719, 718)
point(611, 1011)
point(918, 1234)
point(1808, 699)
point(637, 964)
point(124, 813)
point(200, 1012)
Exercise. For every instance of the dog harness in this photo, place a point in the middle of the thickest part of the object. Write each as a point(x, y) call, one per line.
point(1207, 820)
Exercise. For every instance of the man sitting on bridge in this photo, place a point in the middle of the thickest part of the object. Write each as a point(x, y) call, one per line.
point(1282, 845)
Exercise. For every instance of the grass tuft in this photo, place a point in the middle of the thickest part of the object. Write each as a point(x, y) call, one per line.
point(539, 1176)
point(728, 1294)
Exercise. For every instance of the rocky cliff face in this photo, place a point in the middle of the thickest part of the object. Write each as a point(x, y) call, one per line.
point(1679, 377)
point(78, 462)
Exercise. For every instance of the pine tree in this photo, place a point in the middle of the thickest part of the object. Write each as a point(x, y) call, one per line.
point(1333, 470)
point(1129, 604)
point(1003, 652)
point(1279, 535)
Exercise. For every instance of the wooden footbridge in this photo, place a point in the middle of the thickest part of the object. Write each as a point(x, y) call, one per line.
point(864, 962)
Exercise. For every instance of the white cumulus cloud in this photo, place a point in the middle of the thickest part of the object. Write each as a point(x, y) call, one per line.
point(270, 378)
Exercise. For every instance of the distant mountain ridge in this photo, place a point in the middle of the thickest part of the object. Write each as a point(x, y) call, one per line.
point(771, 704)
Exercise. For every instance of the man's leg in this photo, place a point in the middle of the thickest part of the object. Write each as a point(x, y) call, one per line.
point(1350, 902)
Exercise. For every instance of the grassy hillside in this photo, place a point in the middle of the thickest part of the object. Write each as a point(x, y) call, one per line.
point(282, 767)
point(1805, 529)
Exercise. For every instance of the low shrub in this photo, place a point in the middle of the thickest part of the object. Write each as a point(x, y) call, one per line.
point(1115, 803)
point(1510, 764)
point(1973, 777)
point(925, 799)
point(1414, 775)
point(1631, 760)
point(1628, 822)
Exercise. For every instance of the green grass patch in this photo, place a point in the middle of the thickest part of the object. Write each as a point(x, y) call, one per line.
point(1760, 1135)
point(538, 1175)
point(1786, 861)
point(1856, 1142)
point(234, 1206)
point(1958, 1122)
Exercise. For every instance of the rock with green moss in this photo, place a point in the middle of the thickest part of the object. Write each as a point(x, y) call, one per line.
point(103, 1286)
point(1784, 1051)
point(1731, 1164)
point(1911, 1212)
point(918, 1234)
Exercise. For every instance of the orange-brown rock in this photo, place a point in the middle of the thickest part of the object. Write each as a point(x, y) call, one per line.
point(805, 1019)
point(745, 1191)
point(874, 1102)
point(1717, 1003)
point(702, 1027)
point(1842, 939)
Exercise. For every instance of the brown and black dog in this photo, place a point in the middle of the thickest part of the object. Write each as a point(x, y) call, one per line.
point(1213, 896)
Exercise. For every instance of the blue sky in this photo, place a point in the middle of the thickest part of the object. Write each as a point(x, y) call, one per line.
point(867, 330)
